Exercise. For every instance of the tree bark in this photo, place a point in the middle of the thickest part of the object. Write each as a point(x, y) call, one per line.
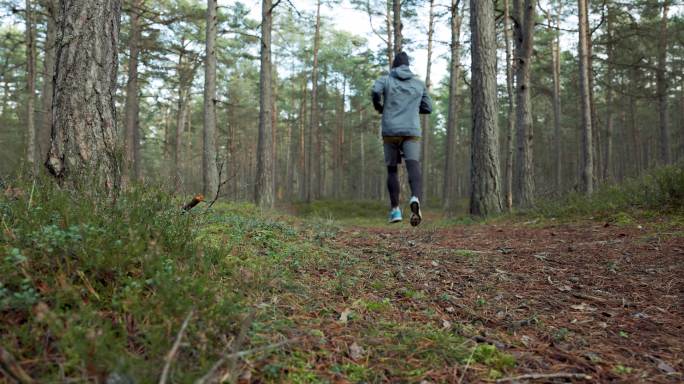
point(510, 149)
point(83, 137)
point(524, 167)
point(426, 118)
point(485, 197)
point(388, 25)
point(313, 122)
point(264, 194)
point(43, 141)
point(610, 116)
point(31, 133)
point(558, 156)
point(587, 150)
point(209, 162)
point(131, 169)
point(397, 26)
point(665, 155)
point(450, 169)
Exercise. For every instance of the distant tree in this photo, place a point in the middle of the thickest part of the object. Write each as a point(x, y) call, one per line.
point(31, 133)
point(450, 166)
point(661, 80)
point(314, 176)
point(210, 179)
point(587, 141)
point(131, 169)
point(84, 141)
point(425, 143)
point(524, 13)
point(264, 189)
point(485, 197)
point(510, 129)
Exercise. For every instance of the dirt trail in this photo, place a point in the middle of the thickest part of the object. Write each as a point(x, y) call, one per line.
point(603, 300)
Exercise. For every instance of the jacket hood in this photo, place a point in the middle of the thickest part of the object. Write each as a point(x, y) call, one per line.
point(402, 72)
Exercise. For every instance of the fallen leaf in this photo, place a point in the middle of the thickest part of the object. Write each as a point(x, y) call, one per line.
point(564, 288)
point(446, 324)
point(344, 316)
point(355, 351)
point(583, 307)
point(450, 309)
point(434, 263)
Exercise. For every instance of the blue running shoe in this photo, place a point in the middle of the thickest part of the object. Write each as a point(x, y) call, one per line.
point(395, 215)
point(416, 215)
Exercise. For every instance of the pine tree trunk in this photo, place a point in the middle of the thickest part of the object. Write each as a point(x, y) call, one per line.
point(31, 133)
point(485, 197)
point(397, 26)
point(131, 169)
point(608, 152)
point(665, 155)
point(304, 173)
point(313, 127)
point(450, 168)
point(264, 174)
point(43, 141)
point(558, 156)
point(587, 150)
point(83, 137)
point(388, 26)
point(510, 129)
point(209, 166)
point(425, 144)
point(524, 167)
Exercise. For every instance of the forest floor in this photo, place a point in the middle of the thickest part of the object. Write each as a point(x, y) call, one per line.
point(134, 292)
point(583, 300)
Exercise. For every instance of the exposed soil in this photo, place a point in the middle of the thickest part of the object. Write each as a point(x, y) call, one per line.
point(583, 298)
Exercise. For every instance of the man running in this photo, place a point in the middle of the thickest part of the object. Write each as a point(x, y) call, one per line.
point(400, 97)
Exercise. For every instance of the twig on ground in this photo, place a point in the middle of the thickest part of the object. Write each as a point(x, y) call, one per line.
point(172, 353)
point(9, 365)
point(537, 376)
point(236, 355)
point(470, 358)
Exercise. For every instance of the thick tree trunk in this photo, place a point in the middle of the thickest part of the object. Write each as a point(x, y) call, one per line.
point(665, 155)
point(524, 167)
point(485, 196)
point(587, 150)
point(210, 179)
point(43, 141)
point(450, 169)
point(558, 156)
point(510, 128)
point(313, 122)
point(397, 26)
point(31, 133)
point(131, 169)
point(264, 177)
point(83, 138)
point(426, 118)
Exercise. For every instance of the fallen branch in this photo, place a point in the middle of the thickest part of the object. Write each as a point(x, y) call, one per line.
point(537, 376)
point(9, 365)
point(172, 353)
point(195, 200)
point(218, 188)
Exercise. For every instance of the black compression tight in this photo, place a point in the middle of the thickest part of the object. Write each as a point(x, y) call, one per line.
point(415, 181)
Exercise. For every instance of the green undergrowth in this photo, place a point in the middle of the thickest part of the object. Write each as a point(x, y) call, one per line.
point(89, 287)
point(658, 193)
point(92, 288)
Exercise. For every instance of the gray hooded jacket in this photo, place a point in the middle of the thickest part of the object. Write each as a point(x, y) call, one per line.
point(403, 98)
